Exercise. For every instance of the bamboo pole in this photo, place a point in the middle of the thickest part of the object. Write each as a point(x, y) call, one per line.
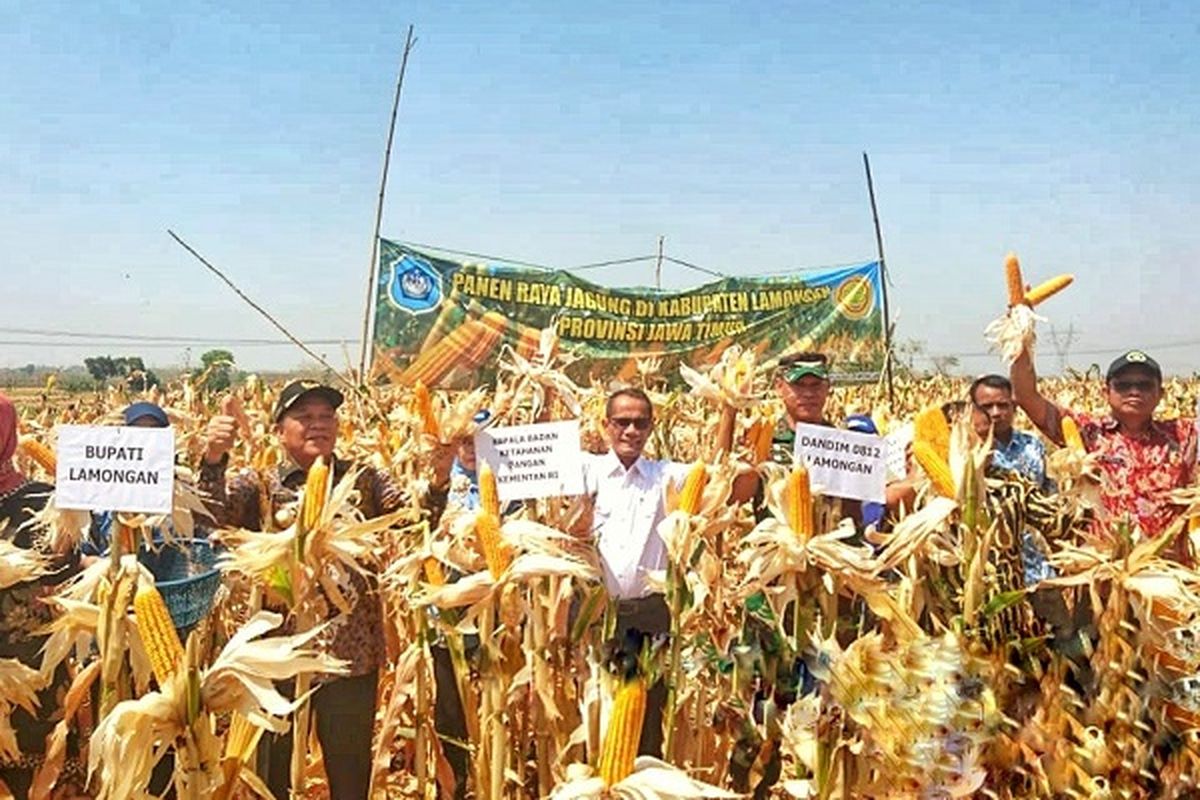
point(387, 162)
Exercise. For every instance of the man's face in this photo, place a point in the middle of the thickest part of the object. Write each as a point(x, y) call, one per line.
point(1134, 392)
point(992, 408)
point(309, 429)
point(804, 398)
point(628, 424)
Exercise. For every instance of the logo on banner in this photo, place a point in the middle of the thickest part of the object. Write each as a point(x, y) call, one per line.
point(855, 298)
point(416, 286)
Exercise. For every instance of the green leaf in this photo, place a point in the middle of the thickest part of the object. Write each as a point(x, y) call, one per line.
point(1002, 601)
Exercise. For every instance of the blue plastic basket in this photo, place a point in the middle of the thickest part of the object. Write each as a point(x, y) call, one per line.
point(187, 577)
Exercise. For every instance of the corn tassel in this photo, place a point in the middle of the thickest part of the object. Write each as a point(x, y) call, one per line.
point(158, 632)
point(936, 468)
point(39, 453)
point(1070, 435)
point(316, 490)
point(693, 488)
point(1016, 284)
point(1047, 289)
point(620, 746)
point(798, 501)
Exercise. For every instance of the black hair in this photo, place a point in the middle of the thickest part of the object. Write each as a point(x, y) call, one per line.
point(629, 391)
point(992, 382)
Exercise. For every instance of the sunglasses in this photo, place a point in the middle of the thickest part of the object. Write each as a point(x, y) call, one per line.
point(639, 423)
point(1124, 387)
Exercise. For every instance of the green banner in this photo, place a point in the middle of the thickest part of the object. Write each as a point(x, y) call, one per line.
point(447, 322)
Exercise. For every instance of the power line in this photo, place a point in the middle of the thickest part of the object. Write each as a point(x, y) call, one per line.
point(132, 337)
point(177, 346)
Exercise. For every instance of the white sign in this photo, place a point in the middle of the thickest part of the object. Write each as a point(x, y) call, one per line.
point(844, 463)
point(107, 468)
point(541, 460)
point(897, 452)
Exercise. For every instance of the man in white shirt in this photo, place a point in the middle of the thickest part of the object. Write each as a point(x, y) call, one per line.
point(628, 490)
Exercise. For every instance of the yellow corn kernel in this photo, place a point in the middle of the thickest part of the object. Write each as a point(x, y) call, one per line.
point(931, 426)
point(489, 498)
point(1047, 289)
point(1070, 434)
point(491, 546)
point(316, 492)
point(434, 573)
point(158, 632)
point(1016, 284)
point(761, 434)
point(936, 468)
point(619, 749)
point(693, 488)
point(435, 362)
point(423, 403)
point(798, 500)
point(39, 453)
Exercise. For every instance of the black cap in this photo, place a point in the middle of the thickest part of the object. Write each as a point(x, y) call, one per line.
point(143, 409)
point(1134, 358)
point(797, 365)
point(295, 390)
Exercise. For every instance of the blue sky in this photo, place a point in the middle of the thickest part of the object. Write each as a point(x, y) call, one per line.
point(564, 133)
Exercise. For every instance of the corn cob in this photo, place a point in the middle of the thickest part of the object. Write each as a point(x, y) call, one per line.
point(529, 341)
point(434, 573)
point(1016, 285)
point(158, 632)
point(316, 489)
point(491, 546)
point(1070, 435)
point(489, 498)
point(759, 437)
point(799, 503)
point(620, 745)
point(936, 468)
point(693, 488)
point(491, 328)
point(434, 363)
point(39, 453)
point(423, 403)
point(931, 426)
point(1047, 289)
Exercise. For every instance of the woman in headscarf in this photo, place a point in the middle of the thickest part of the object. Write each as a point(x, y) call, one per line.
point(22, 613)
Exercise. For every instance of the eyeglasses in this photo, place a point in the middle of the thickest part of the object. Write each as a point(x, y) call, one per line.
point(639, 423)
point(1125, 387)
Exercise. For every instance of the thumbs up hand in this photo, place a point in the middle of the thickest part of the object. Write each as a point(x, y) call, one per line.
point(221, 432)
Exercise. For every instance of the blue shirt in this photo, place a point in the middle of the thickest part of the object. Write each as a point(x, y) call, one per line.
point(463, 494)
point(1025, 455)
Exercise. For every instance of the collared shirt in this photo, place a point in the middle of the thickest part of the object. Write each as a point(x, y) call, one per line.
point(629, 506)
point(1139, 471)
point(254, 501)
point(464, 488)
point(1023, 454)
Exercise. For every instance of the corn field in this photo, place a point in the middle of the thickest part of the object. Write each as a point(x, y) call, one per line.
point(805, 660)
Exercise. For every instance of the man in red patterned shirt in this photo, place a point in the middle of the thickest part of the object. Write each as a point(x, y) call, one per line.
point(1141, 459)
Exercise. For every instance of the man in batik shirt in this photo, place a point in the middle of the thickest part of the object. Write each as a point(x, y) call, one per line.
point(1141, 459)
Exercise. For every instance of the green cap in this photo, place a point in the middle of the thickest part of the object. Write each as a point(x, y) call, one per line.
point(795, 367)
